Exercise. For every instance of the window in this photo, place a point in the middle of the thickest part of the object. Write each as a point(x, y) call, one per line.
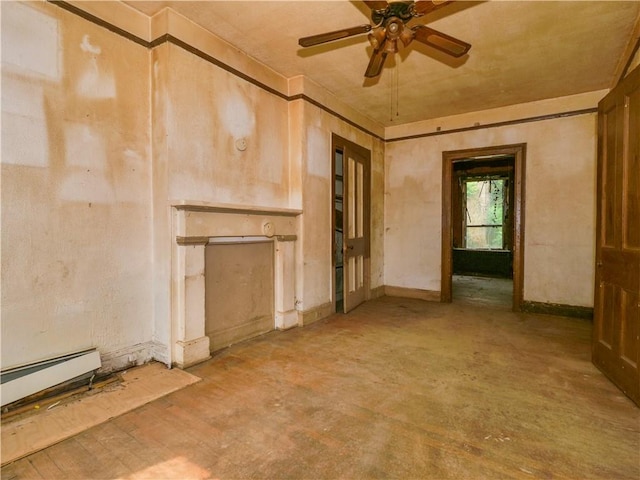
point(484, 212)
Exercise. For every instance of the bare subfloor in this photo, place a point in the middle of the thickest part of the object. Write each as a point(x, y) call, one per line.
point(397, 389)
point(483, 291)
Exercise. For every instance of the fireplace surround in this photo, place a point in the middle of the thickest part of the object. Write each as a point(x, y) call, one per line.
point(197, 224)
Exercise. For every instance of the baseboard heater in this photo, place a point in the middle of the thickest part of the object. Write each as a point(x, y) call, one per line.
point(20, 382)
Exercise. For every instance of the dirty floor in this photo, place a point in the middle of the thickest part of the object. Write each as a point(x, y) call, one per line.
point(397, 389)
point(483, 291)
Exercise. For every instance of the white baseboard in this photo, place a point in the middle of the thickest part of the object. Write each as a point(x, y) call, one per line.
point(314, 314)
point(127, 357)
point(160, 353)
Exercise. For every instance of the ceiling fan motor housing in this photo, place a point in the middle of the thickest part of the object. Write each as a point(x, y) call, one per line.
point(401, 9)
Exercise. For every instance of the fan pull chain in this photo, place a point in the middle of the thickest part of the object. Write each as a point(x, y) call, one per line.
point(394, 87)
point(397, 73)
point(391, 99)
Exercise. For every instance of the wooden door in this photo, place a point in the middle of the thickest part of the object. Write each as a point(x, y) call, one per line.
point(616, 335)
point(355, 218)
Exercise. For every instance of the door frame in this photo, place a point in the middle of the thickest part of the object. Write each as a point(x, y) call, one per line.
point(518, 151)
point(344, 145)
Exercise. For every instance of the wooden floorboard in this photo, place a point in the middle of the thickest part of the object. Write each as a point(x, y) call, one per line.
point(98, 455)
point(396, 389)
point(21, 470)
point(44, 465)
point(125, 447)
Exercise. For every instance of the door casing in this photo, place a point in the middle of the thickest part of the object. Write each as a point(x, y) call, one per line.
point(518, 151)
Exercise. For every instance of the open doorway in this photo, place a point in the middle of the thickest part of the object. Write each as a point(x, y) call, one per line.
point(483, 226)
point(482, 220)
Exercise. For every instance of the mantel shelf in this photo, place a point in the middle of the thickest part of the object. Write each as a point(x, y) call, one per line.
point(197, 206)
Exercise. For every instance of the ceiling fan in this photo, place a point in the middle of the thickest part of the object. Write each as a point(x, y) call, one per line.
point(389, 24)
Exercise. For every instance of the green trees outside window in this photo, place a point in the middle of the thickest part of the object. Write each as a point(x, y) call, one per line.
point(484, 213)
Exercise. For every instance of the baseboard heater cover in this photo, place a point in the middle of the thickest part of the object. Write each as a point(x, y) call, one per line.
point(20, 382)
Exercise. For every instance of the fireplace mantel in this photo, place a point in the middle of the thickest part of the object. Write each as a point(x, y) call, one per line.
point(195, 225)
point(196, 206)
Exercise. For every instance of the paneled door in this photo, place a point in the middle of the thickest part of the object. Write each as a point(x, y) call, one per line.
point(616, 335)
point(355, 221)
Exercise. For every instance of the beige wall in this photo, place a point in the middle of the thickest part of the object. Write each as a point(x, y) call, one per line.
point(559, 211)
point(208, 110)
point(76, 178)
point(199, 111)
point(315, 273)
point(101, 135)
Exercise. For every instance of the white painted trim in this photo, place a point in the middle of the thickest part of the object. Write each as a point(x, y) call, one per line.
point(160, 353)
point(286, 320)
point(243, 239)
point(128, 357)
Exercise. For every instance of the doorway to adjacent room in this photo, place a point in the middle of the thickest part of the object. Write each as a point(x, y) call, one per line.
point(483, 226)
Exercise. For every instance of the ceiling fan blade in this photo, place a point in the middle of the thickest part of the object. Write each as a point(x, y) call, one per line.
point(376, 63)
point(423, 7)
point(443, 42)
point(376, 5)
point(330, 36)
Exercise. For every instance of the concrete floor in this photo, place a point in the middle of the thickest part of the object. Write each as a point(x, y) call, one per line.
point(396, 389)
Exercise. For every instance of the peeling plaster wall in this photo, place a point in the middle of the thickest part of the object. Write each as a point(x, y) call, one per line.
point(207, 110)
point(199, 111)
point(100, 137)
point(315, 272)
point(161, 238)
point(76, 217)
point(559, 209)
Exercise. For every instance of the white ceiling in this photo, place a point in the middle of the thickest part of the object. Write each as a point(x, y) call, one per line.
point(521, 51)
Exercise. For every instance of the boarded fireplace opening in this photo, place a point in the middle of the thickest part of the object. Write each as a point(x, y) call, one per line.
point(239, 291)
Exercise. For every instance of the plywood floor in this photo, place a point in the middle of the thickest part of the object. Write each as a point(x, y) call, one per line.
point(396, 389)
point(60, 420)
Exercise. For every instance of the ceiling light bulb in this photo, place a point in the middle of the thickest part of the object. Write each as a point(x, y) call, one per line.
point(407, 36)
point(376, 37)
point(390, 46)
point(373, 41)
